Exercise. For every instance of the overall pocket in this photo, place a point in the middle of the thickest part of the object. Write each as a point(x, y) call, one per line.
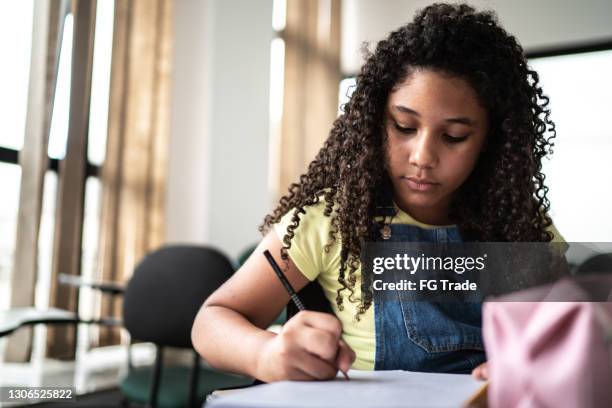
point(443, 326)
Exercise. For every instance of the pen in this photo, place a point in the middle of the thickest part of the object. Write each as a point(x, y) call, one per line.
point(289, 288)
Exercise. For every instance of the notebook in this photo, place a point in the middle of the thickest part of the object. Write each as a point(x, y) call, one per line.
point(365, 389)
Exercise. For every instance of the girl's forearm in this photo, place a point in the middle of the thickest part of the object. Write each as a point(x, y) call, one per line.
point(228, 341)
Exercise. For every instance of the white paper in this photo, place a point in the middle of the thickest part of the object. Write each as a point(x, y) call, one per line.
point(365, 389)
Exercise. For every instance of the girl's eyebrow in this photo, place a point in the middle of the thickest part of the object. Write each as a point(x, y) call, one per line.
point(461, 119)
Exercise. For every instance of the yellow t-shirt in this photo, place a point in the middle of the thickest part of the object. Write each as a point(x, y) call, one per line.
point(307, 253)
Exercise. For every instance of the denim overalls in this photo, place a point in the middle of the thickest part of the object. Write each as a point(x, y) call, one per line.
point(427, 336)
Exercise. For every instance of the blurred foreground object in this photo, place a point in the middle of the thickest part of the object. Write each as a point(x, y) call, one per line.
point(545, 353)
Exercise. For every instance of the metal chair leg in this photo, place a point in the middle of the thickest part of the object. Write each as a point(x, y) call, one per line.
point(193, 380)
point(157, 371)
point(125, 403)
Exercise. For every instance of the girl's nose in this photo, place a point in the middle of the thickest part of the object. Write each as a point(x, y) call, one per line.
point(424, 152)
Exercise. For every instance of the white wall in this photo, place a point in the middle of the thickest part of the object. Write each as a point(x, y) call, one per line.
point(188, 162)
point(537, 24)
point(217, 181)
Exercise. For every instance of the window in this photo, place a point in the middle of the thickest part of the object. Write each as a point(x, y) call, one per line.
point(16, 42)
point(579, 87)
point(10, 174)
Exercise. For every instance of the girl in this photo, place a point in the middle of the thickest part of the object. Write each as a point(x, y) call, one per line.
point(442, 140)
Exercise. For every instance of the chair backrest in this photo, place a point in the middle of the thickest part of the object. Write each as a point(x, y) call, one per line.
point(313, 298)
point(168, 288)
point(600, 263)
point(246, 253)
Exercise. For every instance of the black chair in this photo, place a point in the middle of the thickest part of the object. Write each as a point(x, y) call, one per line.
point(246, 253)
point(161, 301)
point(600, 263)
point(313, 298)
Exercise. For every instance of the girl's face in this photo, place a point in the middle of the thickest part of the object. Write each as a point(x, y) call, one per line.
point(436, 130)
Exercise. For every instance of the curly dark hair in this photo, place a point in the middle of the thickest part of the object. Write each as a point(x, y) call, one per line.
point(504, 198)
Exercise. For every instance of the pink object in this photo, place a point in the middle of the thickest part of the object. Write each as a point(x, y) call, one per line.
point(548, 354)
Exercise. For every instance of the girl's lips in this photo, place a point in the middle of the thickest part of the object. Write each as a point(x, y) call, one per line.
point(420, 184)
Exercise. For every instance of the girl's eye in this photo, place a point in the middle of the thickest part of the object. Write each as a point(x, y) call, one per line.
point(406, 130)
point(455, 139)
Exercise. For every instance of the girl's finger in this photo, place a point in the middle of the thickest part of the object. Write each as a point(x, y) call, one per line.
point(485, 371)
point(346, 356)
point(320, 343)
point(313, 366)
point(295, 374)
point(322, 321)
point(481, 372)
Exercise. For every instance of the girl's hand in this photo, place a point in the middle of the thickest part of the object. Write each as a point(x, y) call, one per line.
point(309, 347)
point(481, 372)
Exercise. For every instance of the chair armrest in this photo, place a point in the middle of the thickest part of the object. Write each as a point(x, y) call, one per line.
point(12, 319)
point(104, 321)
point(112, 288)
